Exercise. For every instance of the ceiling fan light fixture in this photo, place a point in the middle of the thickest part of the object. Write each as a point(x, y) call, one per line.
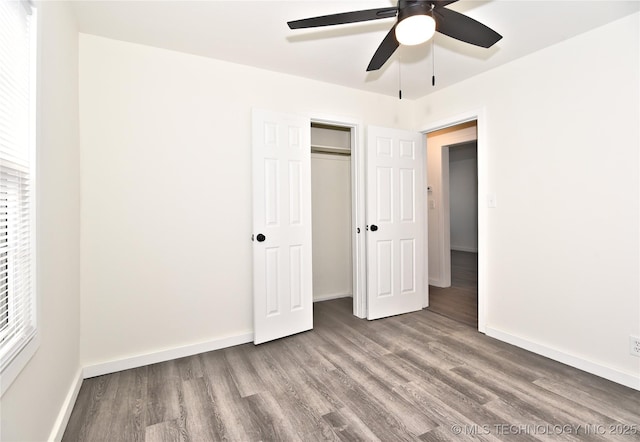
point(415, 29)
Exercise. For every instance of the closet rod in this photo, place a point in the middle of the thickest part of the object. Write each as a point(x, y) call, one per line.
point(330, 149)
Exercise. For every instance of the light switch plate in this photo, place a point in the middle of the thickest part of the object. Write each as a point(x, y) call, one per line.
point(492, 201)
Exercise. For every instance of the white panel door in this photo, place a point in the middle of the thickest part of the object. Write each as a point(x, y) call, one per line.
point(282, 279)
point(395, 222)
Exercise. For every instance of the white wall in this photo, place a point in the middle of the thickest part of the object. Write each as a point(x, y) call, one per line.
point(562, 156)
point(331, 221)
point(31, 405)
point(166, 190)
point(463, 197)
point(438, 198)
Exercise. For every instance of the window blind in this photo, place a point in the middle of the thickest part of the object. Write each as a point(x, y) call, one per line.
point(17, 294)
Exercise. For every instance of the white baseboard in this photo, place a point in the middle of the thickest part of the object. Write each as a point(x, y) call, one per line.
point(609, 373)
point(164, 355)
point(319, 298)
point(464, 249)
point(438, 283)
point(67, 407)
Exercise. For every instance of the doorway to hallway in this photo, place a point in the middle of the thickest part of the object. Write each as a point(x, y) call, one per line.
point(453, 222)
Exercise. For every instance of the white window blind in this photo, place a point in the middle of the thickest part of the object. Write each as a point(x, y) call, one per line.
point(17, 221)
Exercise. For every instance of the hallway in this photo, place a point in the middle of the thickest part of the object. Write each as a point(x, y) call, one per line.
point(460, 301)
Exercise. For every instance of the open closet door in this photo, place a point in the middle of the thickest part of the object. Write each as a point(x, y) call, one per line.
point(282, 278)
point(395, 222)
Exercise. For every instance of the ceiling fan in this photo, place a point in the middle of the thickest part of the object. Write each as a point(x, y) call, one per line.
point(417, 21)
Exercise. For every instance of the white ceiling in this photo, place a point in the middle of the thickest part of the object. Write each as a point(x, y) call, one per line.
point(255, 33)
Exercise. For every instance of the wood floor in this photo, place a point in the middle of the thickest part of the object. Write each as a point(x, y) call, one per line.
point(460, 301)
point(419, 376)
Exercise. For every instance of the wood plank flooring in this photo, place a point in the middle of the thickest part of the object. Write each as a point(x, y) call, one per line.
point(414, 377)
point(460, 301)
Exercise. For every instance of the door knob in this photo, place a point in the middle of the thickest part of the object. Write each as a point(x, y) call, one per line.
point(373, 228)
point(261, 237)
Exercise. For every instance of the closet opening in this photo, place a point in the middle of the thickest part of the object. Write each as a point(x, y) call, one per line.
point(331, 211)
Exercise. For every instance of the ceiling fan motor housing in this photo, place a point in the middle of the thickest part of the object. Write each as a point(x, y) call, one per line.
point(408, 8)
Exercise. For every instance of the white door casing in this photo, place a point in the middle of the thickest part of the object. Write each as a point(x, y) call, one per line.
point(479, 116)
point(395, 222)
point(282, 275)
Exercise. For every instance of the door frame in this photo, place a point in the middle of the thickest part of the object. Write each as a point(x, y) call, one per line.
point(479, 115)
point(358, 244)
point(443, 279)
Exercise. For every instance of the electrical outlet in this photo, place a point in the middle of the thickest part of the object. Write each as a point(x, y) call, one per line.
point(492, 201)
point(634, 345)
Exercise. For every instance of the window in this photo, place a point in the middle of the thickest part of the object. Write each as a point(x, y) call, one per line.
point(17, 185)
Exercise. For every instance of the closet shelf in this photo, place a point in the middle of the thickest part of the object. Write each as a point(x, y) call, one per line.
point(316, 148)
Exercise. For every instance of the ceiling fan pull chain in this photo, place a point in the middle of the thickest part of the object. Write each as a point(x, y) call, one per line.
point(433, 62)
point(399, 80)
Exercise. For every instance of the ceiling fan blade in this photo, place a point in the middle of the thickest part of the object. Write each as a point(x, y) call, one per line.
point(464, 28)
point(344, 17)
point(384, 51)
point(442, 3)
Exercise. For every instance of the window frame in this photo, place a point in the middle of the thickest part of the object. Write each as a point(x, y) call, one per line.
point(25, 346)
